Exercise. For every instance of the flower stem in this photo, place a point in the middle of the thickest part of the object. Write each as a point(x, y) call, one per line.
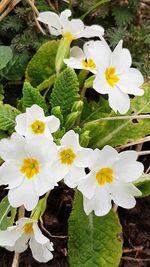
point(94, 7)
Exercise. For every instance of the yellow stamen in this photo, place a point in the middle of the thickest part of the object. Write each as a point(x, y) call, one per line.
point(67, 156)
point(111, 77)
point(38, 127)
point(88, 63)
point(30, 167)
point(28, 228)
point(104, 175)
point(69, 36)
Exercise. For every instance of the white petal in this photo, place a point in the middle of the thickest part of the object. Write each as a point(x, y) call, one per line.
point(39, 237)
point(52, 20)
point(76, 52)
point(34, 113)
point(84, 157)
point(75, 27)
point(74, 176)
point(75, 61)
point(71, 140)
point(65, 15)
point(59, 171)
point(21, 123)
point(92, 31)
point(13, 148)
point(20, 245)
point(129, 155)
point(119, 101)
point(42, 149)
point(100, 85)
point(53, 123)
point(88, 185)
point(9, 236)
point(127, 170)
point(10, 174)
point(41, 253)
point(100, 203)
point(123, 194)
point(121, 59)
point(101, 54)
point(130, 81)
point(23, 195)
point(104, 158)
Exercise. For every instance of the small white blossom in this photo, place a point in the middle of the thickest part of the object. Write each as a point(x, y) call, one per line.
point(34, 123)
point(71, 159)
point(27, 233)
point(115, 76)
point(27, 168)
point(110, 178)
point(81, 59)
point(72, 29)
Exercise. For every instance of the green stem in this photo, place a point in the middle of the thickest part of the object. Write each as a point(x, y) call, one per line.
point(94, 7)
point(39, 210)
point(47, 83)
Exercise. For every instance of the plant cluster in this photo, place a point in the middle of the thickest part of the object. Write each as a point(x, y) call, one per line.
point(57, 134)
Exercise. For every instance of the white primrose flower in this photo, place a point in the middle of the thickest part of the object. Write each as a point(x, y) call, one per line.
point(110, 178)
point(81, 59)
point(71, 159)
point(27, 168)
point(27, 233)
point(72, 29)
point(115, 76)
point(34, 123)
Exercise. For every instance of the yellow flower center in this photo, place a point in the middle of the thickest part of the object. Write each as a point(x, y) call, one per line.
point(104, 175)
point(30, 167)
point(88, 63)
point(69, 36)
point(67, 156)
point(38, 127)
point(111, 77)
point(28, 228)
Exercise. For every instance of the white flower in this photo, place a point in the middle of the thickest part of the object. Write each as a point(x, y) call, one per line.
point(71, 159)
point(72, 29)
point(81, 59)
point(110, 178)
point(114, 76)
point(26, 232)
point(34, 123)
point(27, 168)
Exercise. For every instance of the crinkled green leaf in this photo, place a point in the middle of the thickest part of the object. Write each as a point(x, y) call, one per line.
point(93, 241)
point(32, 96)
point(7, 117)
point(143, 185)
point(7, 214)
point(118, 132)
point(42, 65)
point(5, 55)
point(65, 91)
point(16, 67)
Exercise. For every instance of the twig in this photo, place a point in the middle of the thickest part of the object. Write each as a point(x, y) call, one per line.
point(135, 249)
point(143, 140)
point(119, 118)
point(16, 259)
point(33, 7)
point(142, 153)
point(115, 208)
point(3, 5)
point(134, 259)
point(53, 236)
point(9, 9)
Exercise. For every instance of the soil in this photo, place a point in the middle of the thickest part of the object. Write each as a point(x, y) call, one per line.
point(135, 223)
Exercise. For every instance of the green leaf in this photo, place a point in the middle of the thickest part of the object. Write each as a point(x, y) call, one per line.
point(42, 65)
point(117, 132)
point(32, 96)
point(5, 55)
point(143, 184)
point(65, 91)
point(93, 241)
point(16, 67)
point(7, 117)
point(5, 209)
